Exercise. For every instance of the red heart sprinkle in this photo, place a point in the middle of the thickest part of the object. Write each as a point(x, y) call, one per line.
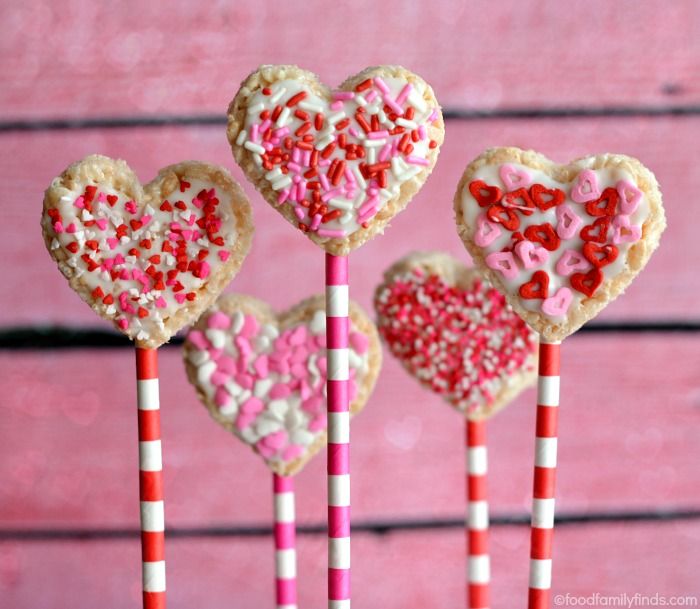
point(165, 206)
point(504, 216)
point(537, 287)
point(484, 194)
point(605, 205)
point(601, 225)
point(112, 200)
point(519, 199)
point(546, 198)
point(599, 255)
point(544, 234)
point(587, 283)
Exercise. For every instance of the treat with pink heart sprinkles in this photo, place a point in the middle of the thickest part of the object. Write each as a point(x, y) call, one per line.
point(560, 242)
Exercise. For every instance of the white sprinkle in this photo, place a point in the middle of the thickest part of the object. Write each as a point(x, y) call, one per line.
point(253, 147)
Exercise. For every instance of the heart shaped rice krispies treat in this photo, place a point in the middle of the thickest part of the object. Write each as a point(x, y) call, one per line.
point(336, 164)
point(262, 376)
point(455, 333)
point(149, 259)
point(560, 241)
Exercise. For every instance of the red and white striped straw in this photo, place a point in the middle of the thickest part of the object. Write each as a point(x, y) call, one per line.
point(542, 526)
point(478, 563)
point(150, 480)
point(285, 543)
point(337, 306)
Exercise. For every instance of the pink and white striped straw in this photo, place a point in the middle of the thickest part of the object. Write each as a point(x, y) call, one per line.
point(150, 480)
point(542, 526)
point(478, 562)
point(338, 407)
point(285, 543)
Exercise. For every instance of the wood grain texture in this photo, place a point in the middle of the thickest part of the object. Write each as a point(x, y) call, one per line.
point(667, 288)
point(625, 449)
point(220, 574)
point(78, 58)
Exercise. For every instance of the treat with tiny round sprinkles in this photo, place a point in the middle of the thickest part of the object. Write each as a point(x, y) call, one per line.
point(455, 333)
point(336, 164)
point(148, 258)
point(262, 376)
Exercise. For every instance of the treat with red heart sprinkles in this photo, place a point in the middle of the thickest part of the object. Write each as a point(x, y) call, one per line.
point(337, 164)
point(561, 241)
point(150, 259)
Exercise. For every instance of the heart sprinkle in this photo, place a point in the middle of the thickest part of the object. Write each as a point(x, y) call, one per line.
point(339, 162)
point(267, 384)
point(578, 224)
point(465, 344)
point(138, 263)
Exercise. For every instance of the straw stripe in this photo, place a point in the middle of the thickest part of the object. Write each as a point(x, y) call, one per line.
point(337, 310)
point(478, 562)
point(542, 525)
point(150, 480)
point(285, 542)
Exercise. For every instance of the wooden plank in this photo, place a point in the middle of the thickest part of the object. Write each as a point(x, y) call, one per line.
point(407, 571)
point(145, 59)
point(68, 457)
point(666, 289)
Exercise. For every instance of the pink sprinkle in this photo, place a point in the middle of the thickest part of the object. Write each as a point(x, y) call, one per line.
point(371, 96)
point(261, 366)
point(358, 342)
point(352, 131)
point(254, 129)
point(318, 423)
point(243, 421)
point(416, 160)
point(381, 85)
point(385, 152)
point(119, 259)
point(219, 321)
point(180, 298)
point(315, 222)
point(130, 206)
point(244, 380)
point(337, 105)
point(433, 115)
point(227, 364)
point(280, 133)
point(293, 451)
point(58, 227)
point(378, 135)
point(422, 132)
point(265, 126)
point(71, 228)
point(108, 264)
point(221, 397)
point(224, 255)
point(250, 327)
point(197, 203)
point(276, 440)
point(102, 223)
point(160, 303)
point(324, 181)
point(243, 346)
point(299, 371)
point(204, 270)
point(265, 450)
point(80, 202)
point(343, 95)
point(405, 92)
point(122, 323)
point(125, 275)
point(393, 105)
point(145, 219)
point(279, 390)
point(321, 364)
point(252, 405)
point(102, 197)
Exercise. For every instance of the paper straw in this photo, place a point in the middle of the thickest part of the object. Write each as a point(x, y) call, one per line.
point(478, 563)
point(542, 525)
point(150, 480)
point(285, 542)
point(338, 432)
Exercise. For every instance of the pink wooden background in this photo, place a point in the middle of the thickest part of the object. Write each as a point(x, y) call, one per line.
point(630, 419)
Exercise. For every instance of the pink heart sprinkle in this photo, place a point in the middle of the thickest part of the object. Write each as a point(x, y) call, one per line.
point(558, 305)
point(221, 397)
point(219, 321)
point(530, 255)
point(180, 298)
point(359, 342)
point(250, 327)
point(571, 261)
point(585, 187)
point(568, 222)
point(243, 421)
point(486, 232)
point(224, 255)
point(630, 196)
point(514, 177)
point(318, 423)
point(293, 451)
point(279, 390)
point(252, 405)
point(624, 231)
point(198, 339)
point(275, 440)
point(504, 263)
